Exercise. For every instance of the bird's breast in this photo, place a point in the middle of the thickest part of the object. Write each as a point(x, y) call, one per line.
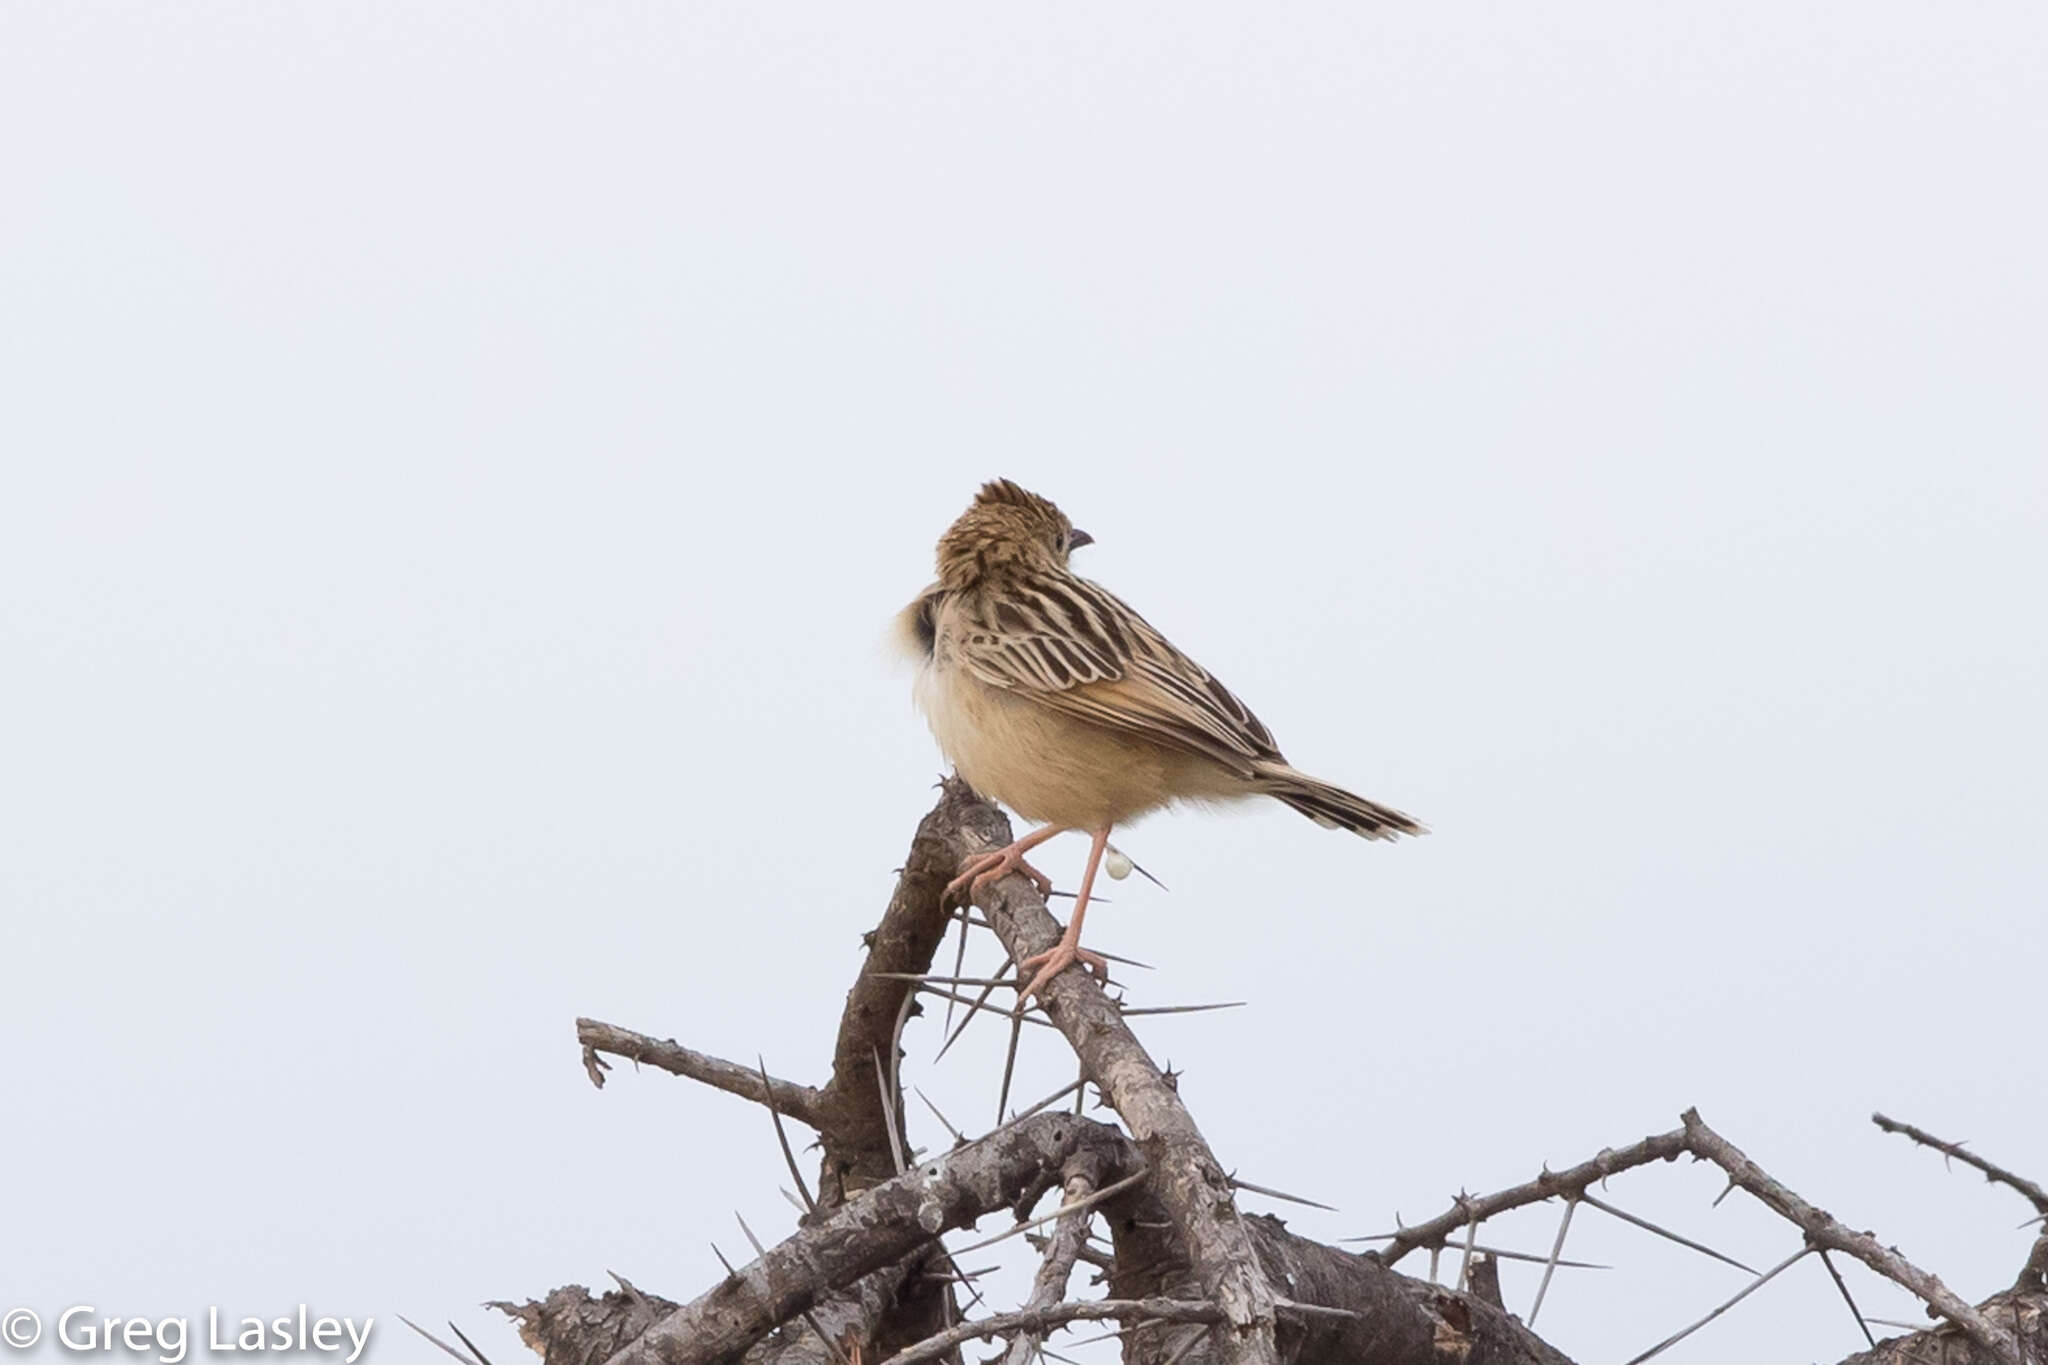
point(1047, 766)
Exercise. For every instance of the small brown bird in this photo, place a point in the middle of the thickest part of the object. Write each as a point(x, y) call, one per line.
point(1059, 701)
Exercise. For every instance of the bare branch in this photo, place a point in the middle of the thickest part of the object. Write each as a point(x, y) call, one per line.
point(1189, 1181)
point(1062, 1248)
point(1996, 1175)
point(882, 1226)
point(1823, 1231)
point(1573, 1180)
point(800, 1102)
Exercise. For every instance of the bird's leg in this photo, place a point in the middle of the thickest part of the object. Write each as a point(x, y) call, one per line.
point(1068, 950)
point(983, 868)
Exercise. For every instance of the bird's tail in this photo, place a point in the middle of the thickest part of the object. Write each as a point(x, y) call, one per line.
point(1333, 807)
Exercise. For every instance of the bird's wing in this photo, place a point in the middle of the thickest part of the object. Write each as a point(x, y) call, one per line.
point(1066, 643)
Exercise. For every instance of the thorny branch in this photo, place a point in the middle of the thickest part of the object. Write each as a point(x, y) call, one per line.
point(889, 1222)
point(801, 1102)
point(1049, 1286)
point(1186, 1176)
point(865, 1269)
point(1996, 1175)
point(1823, 1231)
point(1572, 1182)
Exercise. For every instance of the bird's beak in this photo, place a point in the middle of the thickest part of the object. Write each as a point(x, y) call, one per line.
point(1077, 538)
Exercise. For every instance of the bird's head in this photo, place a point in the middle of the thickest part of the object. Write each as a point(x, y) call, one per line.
point(1006, 526)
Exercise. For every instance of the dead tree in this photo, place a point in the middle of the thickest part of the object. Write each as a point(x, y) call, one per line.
point(866, 1276)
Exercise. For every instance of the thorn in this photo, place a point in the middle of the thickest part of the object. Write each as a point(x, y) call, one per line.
point(1031, 1010)
point(810, 1205)
point(1754, 1285)
point(1135, 866)
point(1010, 1060)
point(1054, 1098)
point(730, 1273)
point(958, 1136)
point(1648, 1226)
point(888, 1109)
point(1471, 1237)
point(1086, 1201)
point(980, 1002)
point(1556, 1250)
point(930, 980)
point(1278, 1194)
point(959, 965)
point(1179, 1009)
point(481, 1357)
point(1836, 1276)
point(1503, 1253)
point(436, 1340)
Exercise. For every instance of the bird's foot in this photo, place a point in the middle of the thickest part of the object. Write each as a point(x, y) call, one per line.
point(1057, 959)
point(981, 869)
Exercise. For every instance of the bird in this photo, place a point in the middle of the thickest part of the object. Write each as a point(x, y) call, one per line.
point(1053, 697)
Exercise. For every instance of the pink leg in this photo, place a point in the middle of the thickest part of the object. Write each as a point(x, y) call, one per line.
point(984, 868)
point(1068, 950)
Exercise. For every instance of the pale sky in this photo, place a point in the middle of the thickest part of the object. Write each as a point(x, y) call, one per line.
point(461, 460)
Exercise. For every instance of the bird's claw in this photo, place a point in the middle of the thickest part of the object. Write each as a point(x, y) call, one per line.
point(981, 869)
point(1056, 960)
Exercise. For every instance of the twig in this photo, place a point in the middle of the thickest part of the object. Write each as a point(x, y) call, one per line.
point(1056, 1266)
point(800, 1102)
point(1570, 1181)
point(1996, 1175)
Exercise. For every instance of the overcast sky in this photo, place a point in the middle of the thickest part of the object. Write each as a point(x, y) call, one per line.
point(461, 460)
